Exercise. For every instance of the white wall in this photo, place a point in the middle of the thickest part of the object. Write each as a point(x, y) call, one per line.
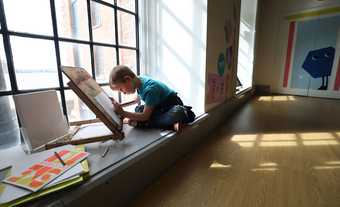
point(173, 46)
point(272, 34)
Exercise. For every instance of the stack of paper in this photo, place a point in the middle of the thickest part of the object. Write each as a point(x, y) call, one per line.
point(32, 180)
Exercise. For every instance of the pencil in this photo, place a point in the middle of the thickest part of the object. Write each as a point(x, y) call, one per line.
point(106, 151)
point(74, 132)
point(59, 158)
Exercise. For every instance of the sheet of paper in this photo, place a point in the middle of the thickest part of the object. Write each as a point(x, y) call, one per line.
point(4, 173)
point(71, 173)
point(106, 103)
point(40, 174)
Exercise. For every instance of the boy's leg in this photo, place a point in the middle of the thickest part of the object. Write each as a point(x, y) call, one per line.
point(139, 108)
point(167, 119)
point(146, 124)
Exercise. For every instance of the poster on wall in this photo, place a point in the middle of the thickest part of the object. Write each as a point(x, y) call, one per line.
point(222, 46)
point(312, 61)
point(216, 88)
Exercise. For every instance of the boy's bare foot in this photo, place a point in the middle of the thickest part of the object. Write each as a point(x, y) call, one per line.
point(178, 127)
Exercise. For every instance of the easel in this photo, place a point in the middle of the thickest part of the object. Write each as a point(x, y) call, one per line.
point(117, 133)
point(67, 140)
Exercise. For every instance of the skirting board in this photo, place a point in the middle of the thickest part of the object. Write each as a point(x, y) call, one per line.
point(312, 93)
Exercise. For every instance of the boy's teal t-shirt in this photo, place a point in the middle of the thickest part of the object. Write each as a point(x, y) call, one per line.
point(153, 92)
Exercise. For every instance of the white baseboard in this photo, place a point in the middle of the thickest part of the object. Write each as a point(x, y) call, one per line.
point(312, 93)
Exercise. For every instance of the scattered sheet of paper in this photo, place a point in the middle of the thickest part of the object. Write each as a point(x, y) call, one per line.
point(106, 103)
point(4, 173)
point(40, 174)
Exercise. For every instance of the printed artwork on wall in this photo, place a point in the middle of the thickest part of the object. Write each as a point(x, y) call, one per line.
point(222, 45)
point(231, 34)
point(313, 50)
point(216, 82)
point(318, 64)
point(216, 88)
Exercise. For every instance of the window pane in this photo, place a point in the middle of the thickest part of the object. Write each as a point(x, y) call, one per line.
point(103, 28)
point(246, 46)
point(72, 19)
point(9, 129)
point(105, 60)
point(76, 55)
point(127, 4)
point(128, 57)
point(34, 62)
point(4, 77)
point(109, 1)
point(126, 29)
point(76, 109)
point(29, 16)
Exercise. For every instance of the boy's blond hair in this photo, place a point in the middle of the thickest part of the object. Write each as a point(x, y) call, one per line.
point(118, 74)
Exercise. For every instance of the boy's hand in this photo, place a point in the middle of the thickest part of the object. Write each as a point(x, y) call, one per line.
point(118, 109)
point(130, 122)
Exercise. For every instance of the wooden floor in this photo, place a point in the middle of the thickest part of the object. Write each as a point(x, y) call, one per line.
point(276, 151)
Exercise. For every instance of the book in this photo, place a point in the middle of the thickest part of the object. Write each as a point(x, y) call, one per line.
point(20, 196)
point(13, 196)
point(40, 174)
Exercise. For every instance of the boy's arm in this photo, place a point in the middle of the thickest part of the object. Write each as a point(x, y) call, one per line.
point(144, 116)
point(129, 103)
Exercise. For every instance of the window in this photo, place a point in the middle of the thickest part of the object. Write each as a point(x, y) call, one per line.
point(246, 45)
point(95, 15)
point(37, 37)
point(178, 62)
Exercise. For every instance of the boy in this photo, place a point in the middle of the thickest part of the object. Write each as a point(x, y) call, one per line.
point(163, 108)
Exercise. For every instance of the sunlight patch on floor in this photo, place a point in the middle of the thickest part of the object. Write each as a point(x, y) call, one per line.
point(216, 164)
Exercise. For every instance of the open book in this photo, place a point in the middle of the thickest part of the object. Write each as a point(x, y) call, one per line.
point(93, 96)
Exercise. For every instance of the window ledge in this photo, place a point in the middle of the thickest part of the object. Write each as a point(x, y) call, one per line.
point(133, 163)
point(244, 91)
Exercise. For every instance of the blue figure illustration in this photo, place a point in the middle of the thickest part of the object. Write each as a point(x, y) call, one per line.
point(319, 63)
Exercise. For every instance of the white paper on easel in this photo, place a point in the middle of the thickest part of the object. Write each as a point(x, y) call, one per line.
point(106, 103)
